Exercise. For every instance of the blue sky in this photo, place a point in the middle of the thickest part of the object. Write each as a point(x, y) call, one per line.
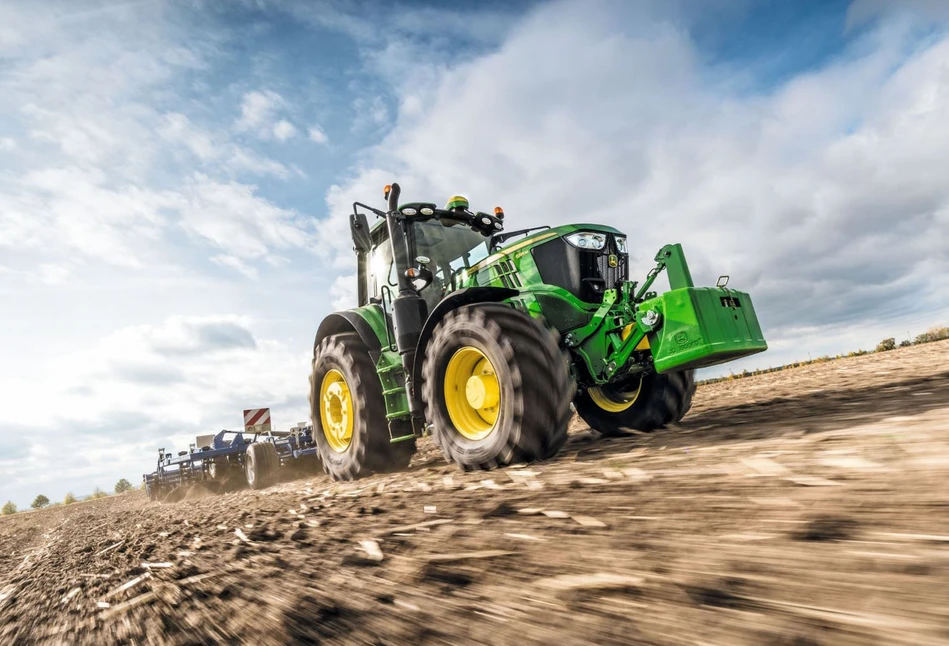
point(175, 179)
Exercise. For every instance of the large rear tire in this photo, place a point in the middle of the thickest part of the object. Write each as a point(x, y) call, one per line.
point(348, 409)
point(497, 387)
point(644, 404)
point(261, 464)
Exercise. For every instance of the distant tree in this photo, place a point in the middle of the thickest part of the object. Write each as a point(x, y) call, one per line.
point(905, 343)
point(39, 502)
point(933, 334)
point(69, 499)
point(122, 486)
point(8, 509)
point(98, 493)
point(886, 345)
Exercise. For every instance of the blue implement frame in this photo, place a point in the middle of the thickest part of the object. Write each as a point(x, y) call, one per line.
point(227, 450)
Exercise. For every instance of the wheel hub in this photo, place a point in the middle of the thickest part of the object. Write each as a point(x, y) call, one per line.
point(336, 411)
point(482, 391)
point(615, 400)
point(472, 393)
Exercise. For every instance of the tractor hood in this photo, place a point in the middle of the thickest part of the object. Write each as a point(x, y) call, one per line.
point(583, 259)
point(539, 237)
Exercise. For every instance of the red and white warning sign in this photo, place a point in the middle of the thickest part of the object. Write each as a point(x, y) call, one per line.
point(257, 420)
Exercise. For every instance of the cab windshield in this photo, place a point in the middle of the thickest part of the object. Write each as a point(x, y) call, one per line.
point(449, 247)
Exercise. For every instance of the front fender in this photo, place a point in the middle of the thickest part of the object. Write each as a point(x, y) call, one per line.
point(453, 301)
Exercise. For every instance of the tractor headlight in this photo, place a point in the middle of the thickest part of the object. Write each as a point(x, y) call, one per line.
point(586, 240)
point(621, 244)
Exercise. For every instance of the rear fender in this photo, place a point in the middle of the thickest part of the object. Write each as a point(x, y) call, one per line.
point(367, 321)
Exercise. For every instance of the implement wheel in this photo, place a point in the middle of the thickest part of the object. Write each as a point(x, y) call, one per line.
point(261, 464)
point(496, 387)
point(347, 408)
point(642, 402)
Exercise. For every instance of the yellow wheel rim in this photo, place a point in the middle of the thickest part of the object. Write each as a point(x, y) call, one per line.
point(472, 393)
point(614, 401)
point(336, 411)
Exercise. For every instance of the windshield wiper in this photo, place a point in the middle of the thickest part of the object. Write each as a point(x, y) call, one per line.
point(498, 238)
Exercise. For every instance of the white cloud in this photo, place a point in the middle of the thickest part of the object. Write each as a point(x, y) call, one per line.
point(284, 130)
point(236, 264)
point(258, 109)
point(316, 134)
point(231, 217)
point(216, 150)
point(53, 274)
point(74, 211)
point(344, 292)
point(7, 144)
point(243, 160)
point(47, 273)
point(177, 128)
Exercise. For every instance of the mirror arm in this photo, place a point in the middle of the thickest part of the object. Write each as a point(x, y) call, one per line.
point(379, 213)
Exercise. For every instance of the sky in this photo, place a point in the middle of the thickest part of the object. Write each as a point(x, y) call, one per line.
point(175, 180)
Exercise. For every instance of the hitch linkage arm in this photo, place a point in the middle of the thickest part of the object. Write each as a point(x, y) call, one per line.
point(672, 259)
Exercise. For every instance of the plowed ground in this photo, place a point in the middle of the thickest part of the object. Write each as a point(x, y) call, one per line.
point(804, 507)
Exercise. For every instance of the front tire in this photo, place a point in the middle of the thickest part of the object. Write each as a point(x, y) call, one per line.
point(348, 409)
point(496, 387)
point(646, 403)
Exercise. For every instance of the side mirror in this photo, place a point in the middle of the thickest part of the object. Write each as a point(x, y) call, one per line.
point(422, 274)
point(359, 227)
point(722, 281)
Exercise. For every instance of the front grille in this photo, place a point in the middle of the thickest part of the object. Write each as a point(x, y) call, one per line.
point(612, 275)
point(584, 273)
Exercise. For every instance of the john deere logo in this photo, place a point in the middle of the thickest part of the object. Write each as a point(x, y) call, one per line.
point(613, 260)
point(682, 338)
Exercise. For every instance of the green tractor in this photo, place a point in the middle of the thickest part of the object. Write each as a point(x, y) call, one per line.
point(490, 345)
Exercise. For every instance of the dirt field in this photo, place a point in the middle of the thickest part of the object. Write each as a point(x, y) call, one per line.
point(798, 508)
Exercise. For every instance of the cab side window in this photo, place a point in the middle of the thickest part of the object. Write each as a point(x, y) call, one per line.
point(382, 273)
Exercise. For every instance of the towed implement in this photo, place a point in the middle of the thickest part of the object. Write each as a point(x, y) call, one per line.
point(489, 344)
point(232, 457)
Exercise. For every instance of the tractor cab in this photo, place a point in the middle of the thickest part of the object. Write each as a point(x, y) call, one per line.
point(430, 247)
